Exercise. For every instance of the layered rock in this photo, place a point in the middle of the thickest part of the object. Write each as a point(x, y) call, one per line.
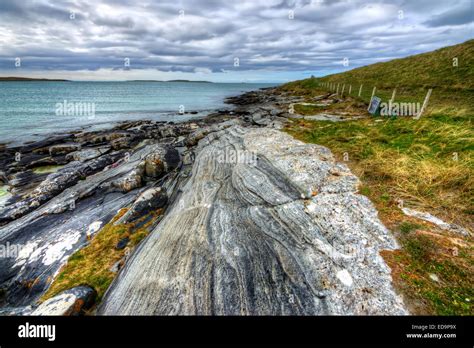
point(281, 232)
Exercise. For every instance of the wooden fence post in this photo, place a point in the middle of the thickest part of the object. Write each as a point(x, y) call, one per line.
point(360, 90)
point(373, 93)
point(425, 103)
point(350, 89)
point(393, 95)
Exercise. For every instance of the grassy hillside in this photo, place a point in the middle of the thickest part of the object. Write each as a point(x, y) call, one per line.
point(453, 86)
point(427, 164)
point(433, 69)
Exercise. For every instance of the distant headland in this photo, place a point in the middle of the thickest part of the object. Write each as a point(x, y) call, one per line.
point(169, 81)
point(13, 78)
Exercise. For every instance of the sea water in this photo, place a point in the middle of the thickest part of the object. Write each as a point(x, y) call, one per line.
point(30, 110)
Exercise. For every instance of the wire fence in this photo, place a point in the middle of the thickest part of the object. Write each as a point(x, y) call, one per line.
point(394, 99)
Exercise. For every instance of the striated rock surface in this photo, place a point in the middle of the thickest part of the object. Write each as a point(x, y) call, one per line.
point(265, 225)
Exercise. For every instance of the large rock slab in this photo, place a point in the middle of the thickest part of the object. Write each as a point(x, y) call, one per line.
point(266, 225)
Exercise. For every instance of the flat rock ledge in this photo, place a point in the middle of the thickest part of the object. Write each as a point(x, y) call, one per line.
point(265, 225)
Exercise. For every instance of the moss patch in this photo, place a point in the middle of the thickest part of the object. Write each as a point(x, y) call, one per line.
point(3, 191)
point(47, 169)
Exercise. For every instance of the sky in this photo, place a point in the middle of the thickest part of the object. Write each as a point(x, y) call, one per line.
point(220, 41)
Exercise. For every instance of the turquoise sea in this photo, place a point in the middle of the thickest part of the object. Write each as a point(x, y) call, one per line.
point(29, 110)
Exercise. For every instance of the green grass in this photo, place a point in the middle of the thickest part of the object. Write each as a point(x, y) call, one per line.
point(421, 256)
point(428, 163)
point(407, 227)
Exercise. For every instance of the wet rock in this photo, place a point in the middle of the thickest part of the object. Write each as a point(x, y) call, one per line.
point(122, 243)
point(122, 143)
point(62, 149)
point(161, 161)
point(15, 211)
point(16, 311)
point(44, 161)
point(87, 154)
point(150, 200)
point(3, 177)
point(42, 146)
point(54, 184)
point(23, 182)
point(72, 302)
point(110, 136)
point(58, 220)
point(131, 181)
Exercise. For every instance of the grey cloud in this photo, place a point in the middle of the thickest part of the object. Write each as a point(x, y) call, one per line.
point(123, 22)
point(456, 16)
point(212, 33)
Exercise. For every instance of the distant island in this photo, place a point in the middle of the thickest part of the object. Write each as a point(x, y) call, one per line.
point(188, 81)
point(169, 81)
point(12, 78)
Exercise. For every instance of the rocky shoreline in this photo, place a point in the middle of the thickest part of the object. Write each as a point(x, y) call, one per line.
point(254, 221)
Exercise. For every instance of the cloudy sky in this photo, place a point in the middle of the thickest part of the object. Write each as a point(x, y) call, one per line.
point(252, 41)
